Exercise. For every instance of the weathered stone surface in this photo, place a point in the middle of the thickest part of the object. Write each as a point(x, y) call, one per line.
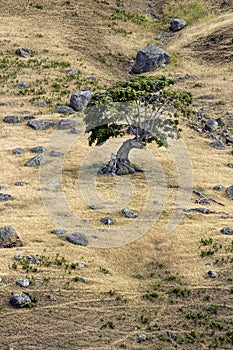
point(128, 213)
point(177, 24)
point(23, 52)
point(229, 192)
point(40, 124)
point(23, 282)
point(18, 150)
point(226, 231)
point(79, 100)
point(37, 149)
point(9, 237)
point(36, 161)
point(212, 274)
point(149, 58)
point(58, 231)
point(73, 71)
point(20, 300)
point(218, 188)
point(66, 124)
point(77, 238)
point(11, 119)
point(65, 110)
point(5, 197)
point(218, 145)
point(107, 221)
point(211, 125)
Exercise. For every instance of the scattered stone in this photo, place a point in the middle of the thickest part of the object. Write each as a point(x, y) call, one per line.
point(218, 144)
point(218, 188)
point(171, 335)
point(29, 117)
point(141, 337)
point(9, 238)
point(40, 124)
point(17, 151)
point(79, 100)
point(4, 104)
point(107, 221)
point(82, 280)
point(149, 58)
point(177, 24)
point(73, 71)
point(21, 85)
point(32, 259)
point(58, 231)
point(77, 238)
point(11, 119)
point(203, 210)
point(41, 104)
point(230, 165)
point(36, 161)
point(80, 265)
point(229, 139)
point(20, 183)
point(56, 154)
point(93, 207)
point(23, 282)
point(74, 131)
point(229, 192)
point(156, 202)
point(65, 110)
point(211, 125)
point(23, 52)
point(212, 274)
point(54, 183)
point(5, 197)
point(20, 300)
point(226, 231)
point(52, 297)
point(37, 149)
point(128, 213)
point(66, 124)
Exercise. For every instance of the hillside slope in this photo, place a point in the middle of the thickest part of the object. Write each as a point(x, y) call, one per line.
point(153, 292)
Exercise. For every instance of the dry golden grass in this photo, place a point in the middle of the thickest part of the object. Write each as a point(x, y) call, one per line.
point(81, 317)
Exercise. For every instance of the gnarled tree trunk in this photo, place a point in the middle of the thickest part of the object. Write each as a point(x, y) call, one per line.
point(119, 164)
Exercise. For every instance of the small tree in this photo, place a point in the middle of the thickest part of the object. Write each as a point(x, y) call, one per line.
point(144, 107)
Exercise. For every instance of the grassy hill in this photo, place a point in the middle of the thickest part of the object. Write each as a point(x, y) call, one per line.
point(156, 285)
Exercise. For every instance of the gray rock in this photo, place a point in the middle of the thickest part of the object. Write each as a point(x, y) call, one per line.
point(40, 124)
point(5, 197)
point(73, 71)
point(229, 192)
point(11, 119)
point(202, 210)
point(66, 124)
point(77, 238)
point(32, 259)
point(21, 85)
point(149, 58)
point(37, 149)
point(58, 231)
point(107, 221)
point(18, 150)
point(56, 154)
point(65, 110)
point(9, 238)
point(20, 183)
point(177, 24)
point(128, 213)
point(218, 145)
point(211, 125)
point(23, 52)
point(41, 104)
point(226, 231)
point(23, 282)
point(52, 297)
point(141, 337)
point(79, 100)
point(212, 274)
point(218, 188)
point(82, 280)
point(29, 117)
point(80, 265)
point(229, 139)
point(230, 165)
point(74, 131)
point(36, 161)
point(4, 104)
point(20, 300)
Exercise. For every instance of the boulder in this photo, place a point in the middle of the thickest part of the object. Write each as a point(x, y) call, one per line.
point(40, 124)
point(211, 125)
point(65, 110)
point(229, 192)
point(20, 300)
point(36, 161)
point(9, 238)
point(37, 149)
point(149, 58)
point(218, 144)
point(23, 52)
point(66, 124)
point(79, 100)
point(11, 119)
point(177, 24)
point(77, 238)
